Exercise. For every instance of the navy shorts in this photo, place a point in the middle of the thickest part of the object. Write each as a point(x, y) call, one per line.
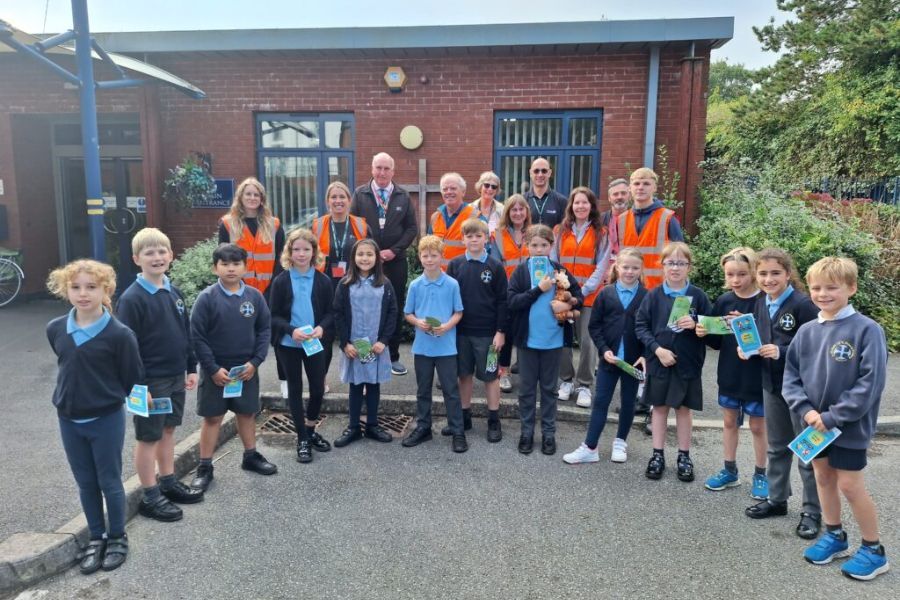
point(472, 355)
point(150, 429)
point(845, 459)
point(752, 408)
point(211, 403)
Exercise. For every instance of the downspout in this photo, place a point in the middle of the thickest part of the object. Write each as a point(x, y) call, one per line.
point(652, 103)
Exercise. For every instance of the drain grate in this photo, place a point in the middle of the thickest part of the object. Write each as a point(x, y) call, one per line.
point(282, 424)
point(396, 424)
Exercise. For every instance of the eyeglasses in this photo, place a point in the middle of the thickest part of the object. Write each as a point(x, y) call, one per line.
point(491, 186)
point(540, 171)
point(676, 263)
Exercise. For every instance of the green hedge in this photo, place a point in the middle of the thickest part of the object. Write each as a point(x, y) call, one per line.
point(192, 271)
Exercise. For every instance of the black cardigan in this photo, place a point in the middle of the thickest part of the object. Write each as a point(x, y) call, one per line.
point(282, 299)
point(343, 314)
point(520, 296)
point(610, 322)
point(780, 330)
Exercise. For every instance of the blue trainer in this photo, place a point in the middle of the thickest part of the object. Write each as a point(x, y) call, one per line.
point(866, 564)
point(760, 489)
point(723, 479)
point(828, 548)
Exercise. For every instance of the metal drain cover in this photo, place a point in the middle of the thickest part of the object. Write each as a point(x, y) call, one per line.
point(396, 424)
point(282, 424)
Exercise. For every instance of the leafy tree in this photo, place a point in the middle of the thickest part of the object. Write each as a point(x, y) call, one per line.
point(729, 82)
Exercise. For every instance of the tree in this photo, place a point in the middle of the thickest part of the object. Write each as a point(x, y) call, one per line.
point(729, 82)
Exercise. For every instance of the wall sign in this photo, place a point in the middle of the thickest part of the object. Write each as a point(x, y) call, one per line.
point(224, 196)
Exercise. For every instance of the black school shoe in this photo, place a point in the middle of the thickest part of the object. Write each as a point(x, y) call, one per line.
point(202, 478)
point(161, 509)
point(92, 557)
point(655, 467)
point(459, 443)
point(182, 494)
point(318, 443)
point(548, 445)
point(526, 444)
point(116, 553)
point(257, 463)
point(418, 435)
point(350, 435)
point(494, 432)
point(379, 434)
point(467, 425)
point(809, 525)
point(304, 452)
point(766, 509)
point(685, 468)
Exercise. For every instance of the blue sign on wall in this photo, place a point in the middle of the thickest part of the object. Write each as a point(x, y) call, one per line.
point(224, 196)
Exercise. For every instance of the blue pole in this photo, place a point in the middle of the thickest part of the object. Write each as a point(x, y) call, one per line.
point(89, 137)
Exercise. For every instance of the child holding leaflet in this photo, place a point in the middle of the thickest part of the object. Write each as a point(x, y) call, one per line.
point(612, 330)
point(365, 314)
point(99, 363)
point(302, 327)
point(434, 307)
point(740, 381)
point(833, 378)
point(675, 357)
point(538, 336)
point(779, 314)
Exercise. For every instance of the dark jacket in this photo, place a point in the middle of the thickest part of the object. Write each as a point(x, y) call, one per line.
point(343, 314)
point(520, 297)
point(400, 227)
point(282, 299)
point(611, 323)
point(780, 330)
point(554, 208)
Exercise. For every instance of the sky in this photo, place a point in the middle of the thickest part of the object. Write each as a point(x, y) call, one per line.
point(52, 16)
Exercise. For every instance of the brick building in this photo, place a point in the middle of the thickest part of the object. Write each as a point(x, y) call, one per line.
point(298, 108)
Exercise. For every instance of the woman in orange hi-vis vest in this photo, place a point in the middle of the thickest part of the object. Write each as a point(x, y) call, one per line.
point(250, 224)
point(337, 232)
point(510, 249)
point(446, 222)
point(582, 247)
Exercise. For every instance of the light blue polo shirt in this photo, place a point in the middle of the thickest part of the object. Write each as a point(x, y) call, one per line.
point(544, 331)
point(439, 299)
point(80, 335)
point(775, 305)
point(151, 288)
point(626, 295)
point(301, 308)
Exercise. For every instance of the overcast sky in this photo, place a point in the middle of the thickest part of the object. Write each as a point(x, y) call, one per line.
point(42, 16)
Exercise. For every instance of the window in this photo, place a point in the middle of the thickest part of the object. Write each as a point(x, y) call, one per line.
point(298, 156)
point(569, 140)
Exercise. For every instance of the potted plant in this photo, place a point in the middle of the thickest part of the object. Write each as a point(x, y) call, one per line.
point(190, 183)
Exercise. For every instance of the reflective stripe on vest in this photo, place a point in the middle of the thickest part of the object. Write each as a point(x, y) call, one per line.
point(511, 255)
point(650, 243)
point(453, 241)
point(260, 255)
point(580, 257)
point(321, 228)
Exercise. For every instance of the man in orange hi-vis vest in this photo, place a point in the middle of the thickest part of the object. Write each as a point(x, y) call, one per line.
point(446, 222)
point(648, 226)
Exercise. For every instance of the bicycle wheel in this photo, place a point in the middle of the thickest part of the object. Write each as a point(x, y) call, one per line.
point(10, 281)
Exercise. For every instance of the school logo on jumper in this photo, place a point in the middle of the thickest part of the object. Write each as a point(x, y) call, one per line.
point(179, 305)
point(486, 276)
point(787, 321)
point(842, 351)
point(247, 309)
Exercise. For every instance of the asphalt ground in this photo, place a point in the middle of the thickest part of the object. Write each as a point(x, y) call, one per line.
point(34, 474)
point(382, 521)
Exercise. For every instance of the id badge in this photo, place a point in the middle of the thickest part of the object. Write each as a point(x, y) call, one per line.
point(381, 221)
point(339, 270)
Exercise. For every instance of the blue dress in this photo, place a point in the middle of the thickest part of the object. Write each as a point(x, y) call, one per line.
point(365, 306)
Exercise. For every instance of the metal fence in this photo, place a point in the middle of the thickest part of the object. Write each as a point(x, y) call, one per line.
point(885, 190)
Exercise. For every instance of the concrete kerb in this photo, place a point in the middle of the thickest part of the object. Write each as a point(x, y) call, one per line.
point(26, 558)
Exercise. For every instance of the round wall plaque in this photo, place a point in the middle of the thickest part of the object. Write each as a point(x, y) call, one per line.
point(411, 137)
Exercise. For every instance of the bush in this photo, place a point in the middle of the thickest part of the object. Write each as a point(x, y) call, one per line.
point(192, 271)
point(735, 213)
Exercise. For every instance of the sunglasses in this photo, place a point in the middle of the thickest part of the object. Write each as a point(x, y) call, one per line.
point(491, 186)
point(540, 171)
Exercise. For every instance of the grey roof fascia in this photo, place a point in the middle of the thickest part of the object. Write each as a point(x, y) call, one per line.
point(718, 30)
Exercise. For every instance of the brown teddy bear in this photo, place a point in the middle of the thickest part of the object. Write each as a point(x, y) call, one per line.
point(562, 300)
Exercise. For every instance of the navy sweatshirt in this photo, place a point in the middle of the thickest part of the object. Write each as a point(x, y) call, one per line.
point(228, 331)
point(94, 378)
point(611, 324)
point(780, 330)
point(652, 329)
point(163, 328)
point(482, 287)
point(838, 369)
point(521, 295)
point(741, 379)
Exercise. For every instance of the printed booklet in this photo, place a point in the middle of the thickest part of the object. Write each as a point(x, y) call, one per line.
point(746, 334)
point(235, 387)
point(810, 443)
point(630, 369)
point(312, 345)
point(539, 266)
point(680, 308)
point(137, 403)
point(364, 350)
point(714, 325)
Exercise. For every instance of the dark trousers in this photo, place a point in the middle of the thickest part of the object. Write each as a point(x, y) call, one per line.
point(396, 272)
point(538, 367)
point(295, 359)
point(505, 357)
point(94, 451)
point(782, 426)
point(371, 393)
point(446, 370)
point(603, 394)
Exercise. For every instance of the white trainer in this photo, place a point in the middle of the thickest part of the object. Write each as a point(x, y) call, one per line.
point(582, 454)
point(565, 390)
point(619, 451)
point(284, 390)
point(584, 398)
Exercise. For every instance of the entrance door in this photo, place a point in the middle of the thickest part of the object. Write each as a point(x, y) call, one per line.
point(125, 211)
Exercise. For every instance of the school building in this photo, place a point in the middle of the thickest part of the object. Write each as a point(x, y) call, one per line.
point(299, 108)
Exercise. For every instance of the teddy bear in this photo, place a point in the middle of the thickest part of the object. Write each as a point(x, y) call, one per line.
point(561, 303)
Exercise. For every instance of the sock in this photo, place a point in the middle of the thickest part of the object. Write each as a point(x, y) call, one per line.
point(310, 429)
point(685, 453)
point(166, 481)
point(876, 545)
point(206, 462)
point(249, 452)
point(759, 470)
point(731, 466)
point(837, 531)
point(493, 416)
point(467, 414)
point(152, 494)
point(659, 452)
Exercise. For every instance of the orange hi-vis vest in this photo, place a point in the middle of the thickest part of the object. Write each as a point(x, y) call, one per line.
point(580, 258)
point(511, 255)
point(649, 243)
point(260, 255)
point(452, 236)
point(321, 228)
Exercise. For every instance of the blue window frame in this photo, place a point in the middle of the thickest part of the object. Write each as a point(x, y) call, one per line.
point(570, 140)
point(298, 156)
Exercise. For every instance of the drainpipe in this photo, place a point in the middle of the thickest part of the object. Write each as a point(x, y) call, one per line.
point(652, 102)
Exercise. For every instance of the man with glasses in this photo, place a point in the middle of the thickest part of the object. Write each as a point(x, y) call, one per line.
point(547, 205)
point(391, 217)
point(619, 195)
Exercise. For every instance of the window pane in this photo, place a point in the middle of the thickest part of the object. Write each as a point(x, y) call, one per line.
point(580, 169)
point(526, 133)
point(291, 184)
point(583, 132)
point(339, 169)
point(514, 174)
point(338, 134)
point(289, 134)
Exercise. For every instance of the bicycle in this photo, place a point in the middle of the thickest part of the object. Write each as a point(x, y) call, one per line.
point(11, 277)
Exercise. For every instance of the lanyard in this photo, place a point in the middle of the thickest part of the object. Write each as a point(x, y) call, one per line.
point(512, 236)
point(381, 200)
point(540, 210)
point(339, 247)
